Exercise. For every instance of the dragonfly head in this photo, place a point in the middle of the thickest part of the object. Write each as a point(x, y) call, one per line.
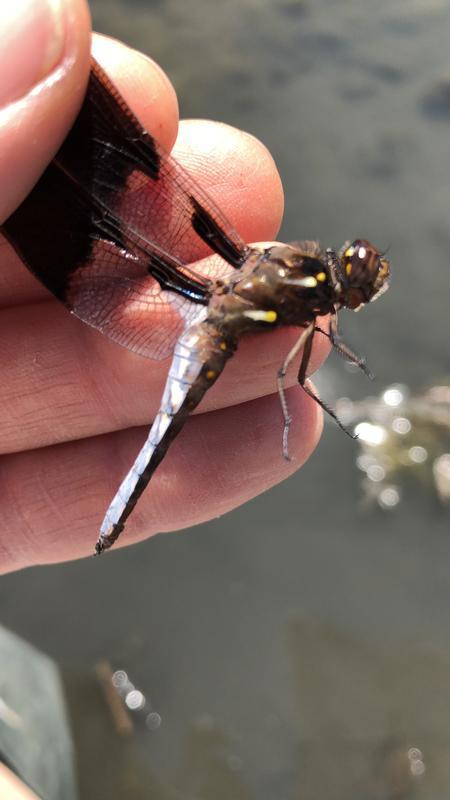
point(361, 271)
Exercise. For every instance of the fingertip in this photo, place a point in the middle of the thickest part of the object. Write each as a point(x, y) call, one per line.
point(144, 86)
point(239, 173)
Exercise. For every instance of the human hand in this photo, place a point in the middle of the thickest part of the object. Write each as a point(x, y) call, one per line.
point(72, 400)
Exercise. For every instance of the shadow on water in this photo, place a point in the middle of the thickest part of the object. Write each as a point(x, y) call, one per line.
point(299, 647)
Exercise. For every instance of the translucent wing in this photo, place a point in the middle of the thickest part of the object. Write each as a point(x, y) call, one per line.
point(112, 224)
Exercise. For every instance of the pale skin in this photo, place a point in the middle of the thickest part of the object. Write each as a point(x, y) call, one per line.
point(75, 407)
point(12, 787)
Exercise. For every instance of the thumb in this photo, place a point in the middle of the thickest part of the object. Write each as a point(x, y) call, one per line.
point(44, 53)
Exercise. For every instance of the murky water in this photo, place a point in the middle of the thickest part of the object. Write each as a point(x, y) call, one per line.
point(299, 647)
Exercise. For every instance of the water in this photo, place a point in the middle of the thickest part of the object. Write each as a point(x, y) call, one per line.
point(299, 647)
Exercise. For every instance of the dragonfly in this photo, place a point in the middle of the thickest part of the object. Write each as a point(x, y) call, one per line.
point(110, 229)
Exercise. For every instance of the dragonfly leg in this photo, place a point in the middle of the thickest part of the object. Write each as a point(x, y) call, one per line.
point(302, 341)
point(343, 349)
point(302, 379)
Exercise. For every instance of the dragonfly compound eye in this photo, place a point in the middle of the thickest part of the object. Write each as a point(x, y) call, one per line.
point(365, 272)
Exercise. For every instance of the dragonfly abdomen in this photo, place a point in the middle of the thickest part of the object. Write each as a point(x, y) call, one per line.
point(199, 358)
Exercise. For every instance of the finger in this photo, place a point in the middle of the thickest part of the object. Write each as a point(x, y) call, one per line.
point(61, 380)
point(239, 174)
point(144, 86)
point(12, 787)
point(46, 53)
point(54, 499)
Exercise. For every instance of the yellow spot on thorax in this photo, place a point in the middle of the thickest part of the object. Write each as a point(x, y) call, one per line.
point(348, 267)
point(309, 282)
point(210, 374)
point(321, 276)
point(261, 316)
point(223, 345)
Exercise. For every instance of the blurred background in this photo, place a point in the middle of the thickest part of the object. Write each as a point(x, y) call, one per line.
point(298, 648)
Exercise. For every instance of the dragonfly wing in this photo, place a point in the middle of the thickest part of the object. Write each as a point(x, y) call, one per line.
point(114, 221)
point(162, 201)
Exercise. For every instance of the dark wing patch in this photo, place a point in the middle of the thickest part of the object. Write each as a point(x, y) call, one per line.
point(214, 236)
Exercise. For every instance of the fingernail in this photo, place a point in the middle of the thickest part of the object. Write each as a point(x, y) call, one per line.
point(31, 44)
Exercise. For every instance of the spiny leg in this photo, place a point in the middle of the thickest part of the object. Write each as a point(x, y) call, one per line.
point(302, 377)
point(302, 341)
point(343, 349)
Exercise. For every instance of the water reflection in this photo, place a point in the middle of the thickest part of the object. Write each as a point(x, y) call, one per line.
point(364, 715)
point(402, 436)
point(366, 725)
